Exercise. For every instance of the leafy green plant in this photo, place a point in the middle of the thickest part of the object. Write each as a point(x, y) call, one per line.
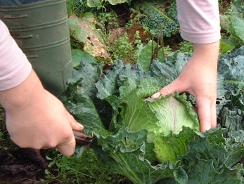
point(108, 18)
point(231, 67)
point(123, 49)
point(233, 22)
point(79, 56)
point(86, 169)
point(77, 7)
point(149, 52)
point(136, 139)
point(186, 47)
point(100, 3)
point(159, 21)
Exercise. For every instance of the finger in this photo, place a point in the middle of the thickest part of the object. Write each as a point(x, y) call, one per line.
point(171, 88)
point(213, 115)
point(204, 113)
point(67, 148)
point(74, 124)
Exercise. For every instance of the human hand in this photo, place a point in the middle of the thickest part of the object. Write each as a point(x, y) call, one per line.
point(37, 119)
point(199, 77)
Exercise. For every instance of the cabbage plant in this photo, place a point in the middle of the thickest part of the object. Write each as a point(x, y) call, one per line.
point(158, 141)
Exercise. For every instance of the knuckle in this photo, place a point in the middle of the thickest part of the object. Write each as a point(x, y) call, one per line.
point(67, 135)
point(51, 144)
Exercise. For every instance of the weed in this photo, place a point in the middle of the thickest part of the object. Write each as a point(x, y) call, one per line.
point(87, 169)
point(186, 47)
point(77, 7)
point(167, 50)
point(124, 50)
point(108, 18)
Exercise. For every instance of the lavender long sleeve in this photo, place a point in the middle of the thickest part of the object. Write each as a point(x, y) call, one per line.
point(14, 66)
point(199, 22)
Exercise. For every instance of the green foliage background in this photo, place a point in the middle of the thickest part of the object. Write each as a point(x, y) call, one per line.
point(214, 157)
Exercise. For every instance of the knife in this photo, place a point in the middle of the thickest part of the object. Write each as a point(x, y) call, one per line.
point(82, 138)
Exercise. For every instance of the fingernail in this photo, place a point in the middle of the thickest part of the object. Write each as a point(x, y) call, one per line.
point(80, 125)
point(156, 95)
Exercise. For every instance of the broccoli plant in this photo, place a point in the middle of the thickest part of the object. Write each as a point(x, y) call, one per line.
point(160, 20)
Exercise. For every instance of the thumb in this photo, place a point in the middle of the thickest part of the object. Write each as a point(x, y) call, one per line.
point(67, 148)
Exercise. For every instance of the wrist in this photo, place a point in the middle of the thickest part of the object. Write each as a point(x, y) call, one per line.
point(206, 55)
point(207, 50)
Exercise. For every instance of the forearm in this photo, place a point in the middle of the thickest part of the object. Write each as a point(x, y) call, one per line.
point(25, 95)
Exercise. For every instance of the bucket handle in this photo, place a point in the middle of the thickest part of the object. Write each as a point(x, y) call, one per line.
point(15, 16)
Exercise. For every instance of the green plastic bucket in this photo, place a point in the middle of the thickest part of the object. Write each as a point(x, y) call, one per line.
point(41, 31)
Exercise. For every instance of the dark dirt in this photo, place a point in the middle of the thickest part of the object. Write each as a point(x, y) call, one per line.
point(22, 166)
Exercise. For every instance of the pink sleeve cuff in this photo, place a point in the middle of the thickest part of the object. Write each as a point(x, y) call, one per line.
point(14, 65)
point(199, 20)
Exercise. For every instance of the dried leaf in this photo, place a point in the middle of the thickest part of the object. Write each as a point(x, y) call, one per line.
point(84, 31)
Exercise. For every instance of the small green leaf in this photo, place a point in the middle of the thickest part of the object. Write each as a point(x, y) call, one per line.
point(78, 56)
point(181, 176)
point(94, 3)
point(226, 45)
point(145, 55)
point(238, 25)
point(237, 21)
